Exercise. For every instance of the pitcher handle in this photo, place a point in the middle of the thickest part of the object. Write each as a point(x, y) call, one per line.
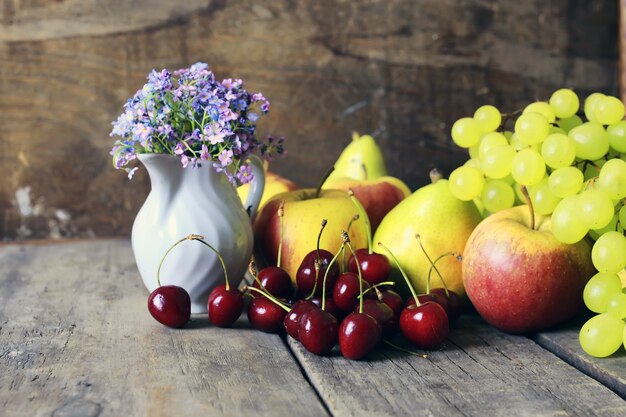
point(256, 186)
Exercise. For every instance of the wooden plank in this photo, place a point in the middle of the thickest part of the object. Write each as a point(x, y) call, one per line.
point(564, 343)
point(76, 339)
point(480, 371)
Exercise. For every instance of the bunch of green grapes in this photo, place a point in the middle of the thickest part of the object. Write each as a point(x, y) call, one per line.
point(573, 165)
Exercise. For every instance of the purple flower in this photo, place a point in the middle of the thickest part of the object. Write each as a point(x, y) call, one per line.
point(204, 154)
point(160, 80)
point(141, 133)
point(225, 157)
point(244, 175)
point(179, 149)
point(214, 133)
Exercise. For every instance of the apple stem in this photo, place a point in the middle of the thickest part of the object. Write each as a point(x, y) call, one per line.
point(319, 238)
point(530, 206)
point(375, 288)
point(401, 349)
point(318, 190)
point(434, 175)
point(269, 297)
point(346, 240)
point(408, 282)
point(443, 281)
point(330, 264)
point(281, 215)
point(362, 213)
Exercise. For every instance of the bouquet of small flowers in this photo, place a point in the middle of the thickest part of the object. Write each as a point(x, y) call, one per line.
point(191, 115)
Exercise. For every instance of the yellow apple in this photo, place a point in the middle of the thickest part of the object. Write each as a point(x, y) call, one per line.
point(274, 184)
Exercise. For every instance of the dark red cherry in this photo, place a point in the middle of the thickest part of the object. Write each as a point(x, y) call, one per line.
point(359, 334)
point(293, 316)
point(224, 306)
point(455, 303)
point(318, 331)
point(426, 325)
point(330, 306)
point(275, 280)
point(432, 296)
point(383, 314)
point(266, 315)
point(346, 291)
point(170, 305)
point(305, 276)
point(392, 299)
point(375, 267)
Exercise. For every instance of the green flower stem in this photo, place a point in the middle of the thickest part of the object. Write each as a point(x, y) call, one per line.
point(406, 278)
point(363, 214)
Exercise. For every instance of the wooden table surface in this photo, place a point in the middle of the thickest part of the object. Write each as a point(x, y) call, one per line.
point(76, 339)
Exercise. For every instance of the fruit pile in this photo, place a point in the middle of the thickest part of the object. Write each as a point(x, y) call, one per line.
point(342, 298)
point(570, 165)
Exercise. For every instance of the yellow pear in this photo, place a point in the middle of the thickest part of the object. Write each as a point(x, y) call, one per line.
point(361, 159)
point(443, 223)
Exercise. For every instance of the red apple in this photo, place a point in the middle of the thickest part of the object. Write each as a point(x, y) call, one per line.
point(522, 279)
point(377, 196)
point(304, 211)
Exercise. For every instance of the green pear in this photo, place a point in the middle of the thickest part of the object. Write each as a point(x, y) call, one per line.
point(443, 222)
point(362, 159)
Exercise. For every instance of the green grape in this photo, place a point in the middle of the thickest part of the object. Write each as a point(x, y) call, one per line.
point(612, 178)
point(532, 128)
point(569, 123)
point(516, 142)
point(590, 106)
point(616, 305)
point(591, 140)
point(488, 118)
point(565, 224)
point(491, 140)
point(622, 217)
point(473, 151)
point(497, 195)
point(496, 162)
point(474, 163)
point(527, 166)
point(556, 129)
point(624, 336)
point(466, 183)
point(611, 226)
point(542, 108)
point(608, 254)
point(565, 181)
point(609, 110)
point(617, 136)
point(544, 201)
point(466, 132)
point(599, 289)
point(558, 150)
point(564, 102)
point(595, 208)
point(602, 335)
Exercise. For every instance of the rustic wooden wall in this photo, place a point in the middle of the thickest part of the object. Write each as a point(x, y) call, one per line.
point(405, 69)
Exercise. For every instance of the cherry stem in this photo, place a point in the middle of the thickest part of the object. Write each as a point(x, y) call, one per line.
point(332, 261)
point(432, 266)
point(319, 238)
point(529, 203)
point(318, 190)
point(366, 219)
point(375, 288)
point(421, 355)
point(316, 265)
point(408, 282)
point(419, 240)
point(358, 267)
point(270, 297)
point(281, 215)
point(343, 252)
point(434, 175)
point(255, 274)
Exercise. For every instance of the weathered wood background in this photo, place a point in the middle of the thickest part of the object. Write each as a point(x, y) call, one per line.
point(404, 69)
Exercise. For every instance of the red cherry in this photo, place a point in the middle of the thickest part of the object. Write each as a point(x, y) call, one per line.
point(346, 291)
point(432, 296)
point(426, 325)
point(454, 301)
point(293, 316)
point(170, 305)
point(266, 315)
point(393, 300)
point(359, 334)
point(225, 306)
point(330, 306)
point(375, 267)
point(305, 276)
point(318, 331)
point(275, 280)
point(383, 314)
